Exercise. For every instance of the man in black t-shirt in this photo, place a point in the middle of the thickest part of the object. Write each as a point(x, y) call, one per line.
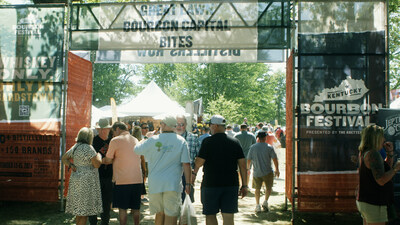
point(220, 155)
point(100, 144)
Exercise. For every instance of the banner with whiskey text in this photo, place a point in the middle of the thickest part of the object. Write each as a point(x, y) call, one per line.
point(31, 60)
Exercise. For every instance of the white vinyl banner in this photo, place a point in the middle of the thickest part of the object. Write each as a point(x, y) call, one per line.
point(164, 32)
point(180, 26)
point(183, 33)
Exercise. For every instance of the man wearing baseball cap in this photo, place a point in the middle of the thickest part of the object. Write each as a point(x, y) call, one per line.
point(168, 156)
point(260, 155)
point(220, 155)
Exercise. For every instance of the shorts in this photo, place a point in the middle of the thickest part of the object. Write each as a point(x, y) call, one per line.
point(215, 199)
point(168, 202)
point(127, 196)
point(267, 179)
point(372, 213)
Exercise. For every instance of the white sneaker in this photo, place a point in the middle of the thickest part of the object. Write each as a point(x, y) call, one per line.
point(258, 208)
point(265, 206)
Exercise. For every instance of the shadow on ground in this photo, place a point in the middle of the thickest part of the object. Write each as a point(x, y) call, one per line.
point(279, 215)
point(24, 213)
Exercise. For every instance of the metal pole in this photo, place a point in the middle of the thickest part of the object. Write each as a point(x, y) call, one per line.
point(294, 103)
point(64, 110)
point(387, 58)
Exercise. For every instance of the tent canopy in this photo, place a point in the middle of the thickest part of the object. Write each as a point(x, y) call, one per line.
point(395, 104)
point(152, 101)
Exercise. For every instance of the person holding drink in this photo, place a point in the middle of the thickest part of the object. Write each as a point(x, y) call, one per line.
point(375, 190)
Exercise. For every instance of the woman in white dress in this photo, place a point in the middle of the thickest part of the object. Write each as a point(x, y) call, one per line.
point(84, 194)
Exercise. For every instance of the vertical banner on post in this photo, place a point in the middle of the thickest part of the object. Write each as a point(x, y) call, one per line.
point(31, 60)
point(341, 87)
point(79, 101)
point(289, 173)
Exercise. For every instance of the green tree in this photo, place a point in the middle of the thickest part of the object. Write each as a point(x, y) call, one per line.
point(394, 43)
point(163, 74)
point(257, 92)
point(280, 96)
point(113, 80)
point(226, 108)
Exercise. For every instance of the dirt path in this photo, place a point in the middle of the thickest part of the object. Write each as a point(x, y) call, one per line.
point(246, 214)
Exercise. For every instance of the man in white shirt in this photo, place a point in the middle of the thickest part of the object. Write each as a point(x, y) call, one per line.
point(168, 156)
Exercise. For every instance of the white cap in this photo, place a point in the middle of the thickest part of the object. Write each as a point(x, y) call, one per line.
point(217, 119)
point(170, 121)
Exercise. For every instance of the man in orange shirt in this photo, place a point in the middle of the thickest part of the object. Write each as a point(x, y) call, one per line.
point(127, 173)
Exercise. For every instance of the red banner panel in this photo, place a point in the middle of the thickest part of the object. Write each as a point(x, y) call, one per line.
point(79, 101)
point(327, 192)
point(29, 167)
point(289, 128)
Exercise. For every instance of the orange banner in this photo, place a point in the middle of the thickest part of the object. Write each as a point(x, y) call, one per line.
point(79, 101)
point(289, 128)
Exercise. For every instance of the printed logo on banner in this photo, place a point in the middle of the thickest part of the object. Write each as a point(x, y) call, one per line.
point(340, 114)
point(29, 26)
point(348, 90)
point(393, 125)
point(24, 110)
point(389, 119)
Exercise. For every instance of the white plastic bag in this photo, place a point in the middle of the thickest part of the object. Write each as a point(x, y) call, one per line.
point(188, 212)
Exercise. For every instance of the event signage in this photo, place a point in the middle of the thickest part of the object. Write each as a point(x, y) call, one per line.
point(342, 81)
point(389, 119)
point(339, 95)
point(29, 167)
point(186, 32)
point(23, 155)
point(31, 60)
point(338, 115)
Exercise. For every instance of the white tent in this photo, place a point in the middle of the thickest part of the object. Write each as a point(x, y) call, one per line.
point(102, 112)
point(97, 114)
point(395, 104)
point(152, 101)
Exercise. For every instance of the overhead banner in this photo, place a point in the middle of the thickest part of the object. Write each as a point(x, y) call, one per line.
point(341, 81)
point(31, 60)
point(147, 32)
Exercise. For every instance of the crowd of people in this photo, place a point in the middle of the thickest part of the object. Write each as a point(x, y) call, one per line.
point(111, 169)
point(114, 167)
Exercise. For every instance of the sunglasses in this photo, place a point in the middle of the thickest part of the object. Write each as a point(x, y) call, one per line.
point(145, 127)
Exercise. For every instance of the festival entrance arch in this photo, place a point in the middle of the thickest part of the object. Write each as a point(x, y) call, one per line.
point(336, 54)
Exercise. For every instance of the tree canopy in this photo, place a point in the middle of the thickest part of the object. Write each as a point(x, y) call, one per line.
point(113, 80)
point(236, 90)
point(394, 43)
